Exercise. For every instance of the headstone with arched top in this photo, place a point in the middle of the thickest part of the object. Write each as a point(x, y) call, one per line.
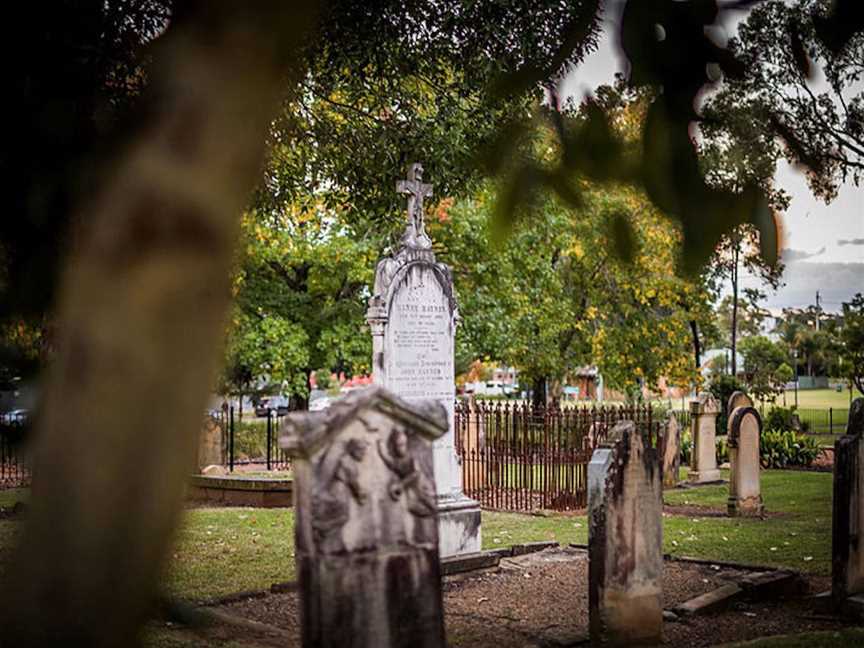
point(744, 431)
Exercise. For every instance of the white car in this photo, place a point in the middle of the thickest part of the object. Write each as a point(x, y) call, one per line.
point(320, 404)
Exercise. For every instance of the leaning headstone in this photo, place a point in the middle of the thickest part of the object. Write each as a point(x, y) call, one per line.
point(366, 538)
point(671, 452)
point(744, 431)
point(625, 540)
point(847, 551)
point(703, 432)
point(412, 315)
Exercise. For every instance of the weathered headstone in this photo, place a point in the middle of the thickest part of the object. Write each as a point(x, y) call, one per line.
point(211, 444)
point(625, 540)
point(412, 315)
point(366, 538)
point(671, 452)
point(703, 432)
point(744, 430)
point(847, 551)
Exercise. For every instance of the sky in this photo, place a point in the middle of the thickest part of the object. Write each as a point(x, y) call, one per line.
point(823, 245)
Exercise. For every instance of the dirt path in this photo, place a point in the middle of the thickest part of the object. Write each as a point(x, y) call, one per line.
point(541, 600)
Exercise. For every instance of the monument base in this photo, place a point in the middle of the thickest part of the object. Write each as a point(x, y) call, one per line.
point(458, 526)
point(704, 476)
point(749, 507)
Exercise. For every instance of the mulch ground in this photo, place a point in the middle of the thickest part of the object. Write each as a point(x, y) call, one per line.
point(541, 600)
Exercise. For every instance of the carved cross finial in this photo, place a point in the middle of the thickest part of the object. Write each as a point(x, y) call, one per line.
point(416, 191)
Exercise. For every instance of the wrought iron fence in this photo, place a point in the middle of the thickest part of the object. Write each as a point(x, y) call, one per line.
point(14, 467)
point(253, 443)
point(831, 421)
point(521, 458)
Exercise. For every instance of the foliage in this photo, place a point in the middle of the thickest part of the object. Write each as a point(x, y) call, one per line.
point(567, 303)
point(395, 82)
point(782, 448)
point(722, 388)
point(796, 83)
point(782, 419)
point(301, 291)
point(765, 368)
point(852, 339)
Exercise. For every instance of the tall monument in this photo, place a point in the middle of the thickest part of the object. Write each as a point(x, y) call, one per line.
point(413, 316)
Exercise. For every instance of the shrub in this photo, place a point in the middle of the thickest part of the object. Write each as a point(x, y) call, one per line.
point(781, 419)
point(722, 388)
point(782, 448)
point(686, 448)
point(722, 449)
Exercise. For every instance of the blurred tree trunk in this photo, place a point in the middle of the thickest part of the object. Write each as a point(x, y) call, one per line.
point(141, 318)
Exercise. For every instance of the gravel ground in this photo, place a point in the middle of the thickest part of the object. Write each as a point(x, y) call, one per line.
point(541, 600)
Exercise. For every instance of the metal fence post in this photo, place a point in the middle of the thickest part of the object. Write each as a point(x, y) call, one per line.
point(231, 441)
point(269, 435)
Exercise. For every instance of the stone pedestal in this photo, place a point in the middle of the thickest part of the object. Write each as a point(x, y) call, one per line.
point(703, 431)
point(366, 536)
point(744, 430)
point(625, 541)
point(413, 315)
point(847, 537)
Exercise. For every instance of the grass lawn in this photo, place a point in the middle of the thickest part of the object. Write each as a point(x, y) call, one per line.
point(227, 550)
point(819, 398)
point(800, 539)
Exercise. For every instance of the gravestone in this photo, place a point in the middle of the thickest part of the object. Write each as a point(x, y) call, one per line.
point(744, 430)
point(211, 444)
point(412, 316)
point(847, 537)
point(703, 432)
point(366, 538)
point(625, 540)
point(671, 453)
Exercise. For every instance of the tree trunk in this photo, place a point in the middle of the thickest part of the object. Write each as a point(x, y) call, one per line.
point(697, 348)
point(141, 312)
point(538, 392)
point(734, 331)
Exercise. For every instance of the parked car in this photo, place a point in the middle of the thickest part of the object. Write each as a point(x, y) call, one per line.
point(279, 405)
point(320, 404)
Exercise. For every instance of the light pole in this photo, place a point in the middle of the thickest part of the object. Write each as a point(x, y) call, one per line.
point(795, 355)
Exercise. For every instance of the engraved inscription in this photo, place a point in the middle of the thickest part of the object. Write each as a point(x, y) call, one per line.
point(420, 362)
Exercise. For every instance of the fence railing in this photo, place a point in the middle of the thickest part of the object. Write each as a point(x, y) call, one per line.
point(14, 466)
point(253, 443)
point(520, 458)
point(831, 421)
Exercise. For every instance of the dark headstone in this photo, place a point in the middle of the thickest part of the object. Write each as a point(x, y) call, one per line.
point(847, 551)
point(366, 528)
point(625, 540)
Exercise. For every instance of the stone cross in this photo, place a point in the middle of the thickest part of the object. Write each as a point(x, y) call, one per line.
point(414, 187)
point(412, 317)
point(703, 431)
point(847, 537)
point(744, 430)
point(625, 540)
point(366, 536)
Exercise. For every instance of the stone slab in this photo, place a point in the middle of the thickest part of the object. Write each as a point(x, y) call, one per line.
point(469, 562)
point(773, 585)
point(712, 601)
point(532, 547)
